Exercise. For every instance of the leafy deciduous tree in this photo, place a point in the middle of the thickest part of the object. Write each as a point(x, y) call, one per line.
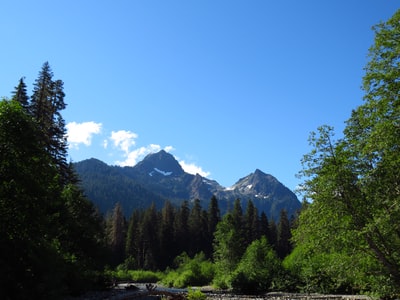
point(354, 182)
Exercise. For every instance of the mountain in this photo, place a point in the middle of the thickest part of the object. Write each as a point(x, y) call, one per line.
point(159, 177)
point(155, 164)
point(105, 186)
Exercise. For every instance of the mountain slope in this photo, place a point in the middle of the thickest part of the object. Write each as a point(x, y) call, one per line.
point(105, 186)
point(159, 177)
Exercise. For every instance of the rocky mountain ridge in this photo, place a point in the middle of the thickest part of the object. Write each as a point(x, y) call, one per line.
point(159, 177)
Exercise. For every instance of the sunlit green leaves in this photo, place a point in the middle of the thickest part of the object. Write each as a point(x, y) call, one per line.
point(354, 183)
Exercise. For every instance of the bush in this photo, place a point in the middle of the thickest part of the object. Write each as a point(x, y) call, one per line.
point(195, 294)
point(222, 281)
point(256, 269)
point(145, 276)
point(141, 276)
point(190, 272)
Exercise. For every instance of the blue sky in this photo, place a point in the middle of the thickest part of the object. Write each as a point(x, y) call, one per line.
point(225, 86)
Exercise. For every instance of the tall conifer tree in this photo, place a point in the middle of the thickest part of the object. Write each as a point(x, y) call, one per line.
point(213, 218)
point(47, 102)
point(167, 239)
point(149, 248)
point(284, 235)
point(132, 236)
point(116, 234)
point(264, 225)
point(197, 228)
point(181, 225)
point(252, 223)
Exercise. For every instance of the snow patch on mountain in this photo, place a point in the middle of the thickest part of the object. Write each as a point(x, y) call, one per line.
point(261, 196)
point(165, 173)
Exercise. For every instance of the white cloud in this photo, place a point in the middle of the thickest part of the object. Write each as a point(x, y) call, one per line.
point(123, 139)
point(191, 168)
point(133, 157)
point(169, 148)
point(82, 133)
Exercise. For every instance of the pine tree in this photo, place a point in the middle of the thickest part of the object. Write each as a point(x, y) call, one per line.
point(264, 225)
point(214, 214)
point(167, 238)
point(273, 234)
point(181, 226)
point(284, 235)
point(20, 94)
point(47, 102)
point(116, 234)
point(132, 237)
point(252, 223)
point(237, 215)
point(213, 218)
point(149, 234)
point(239, 225)
point(28, 261)
point(197, 228)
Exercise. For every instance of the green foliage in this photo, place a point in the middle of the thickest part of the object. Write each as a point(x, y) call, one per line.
point(324, 272)
point(25, 210)
point(229, 245)
point(196, 294)
point(47, 102)
point(20, 94)
point(257, 269)
point(196, 271)
point(348, 238)
point(115, 227)
point(197, 228)
point(49, 232)
point(139, 276)
point(284, 235)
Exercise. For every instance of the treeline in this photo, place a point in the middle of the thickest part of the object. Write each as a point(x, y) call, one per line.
point(151, 239)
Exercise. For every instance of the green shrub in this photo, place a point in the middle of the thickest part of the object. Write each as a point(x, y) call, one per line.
point(196, 294)
point(169, 278)
point(256, 269)
point(190, 272)
point(243, 283)
point(145, 276)
point(221, 281)
point(141, 276)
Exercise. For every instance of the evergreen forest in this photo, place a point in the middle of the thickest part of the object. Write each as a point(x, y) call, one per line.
point(345, 240)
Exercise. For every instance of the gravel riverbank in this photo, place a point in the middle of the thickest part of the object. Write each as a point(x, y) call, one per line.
point(129, 291)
